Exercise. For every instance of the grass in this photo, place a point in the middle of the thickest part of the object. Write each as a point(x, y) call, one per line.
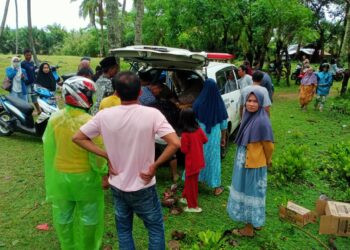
point(22, 192)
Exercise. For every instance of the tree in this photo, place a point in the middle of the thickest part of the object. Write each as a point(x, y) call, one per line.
point(30, 32)
point(346, 40)
point(113, 25)
point(139, 6)
point(16, 7)
point(4, 17)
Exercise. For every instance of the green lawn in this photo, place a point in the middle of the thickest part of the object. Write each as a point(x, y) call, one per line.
point(22, 193)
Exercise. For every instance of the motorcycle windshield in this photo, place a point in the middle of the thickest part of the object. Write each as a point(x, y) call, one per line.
point(43, 92)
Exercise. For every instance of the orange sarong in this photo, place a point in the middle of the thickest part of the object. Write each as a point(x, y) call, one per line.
point(306, 94)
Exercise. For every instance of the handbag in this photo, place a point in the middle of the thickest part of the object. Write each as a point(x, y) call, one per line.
point(7, 84)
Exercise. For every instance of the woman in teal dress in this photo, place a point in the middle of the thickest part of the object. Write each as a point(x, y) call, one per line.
point(212, 117)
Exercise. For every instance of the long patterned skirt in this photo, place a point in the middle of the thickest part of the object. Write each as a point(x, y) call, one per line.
point(246, 202)
point(306, 94)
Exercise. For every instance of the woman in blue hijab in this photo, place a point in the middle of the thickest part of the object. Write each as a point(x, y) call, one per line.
point(212, 117)
point(254, 140)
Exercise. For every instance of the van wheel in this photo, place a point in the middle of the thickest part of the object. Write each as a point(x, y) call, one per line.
point(4, 128)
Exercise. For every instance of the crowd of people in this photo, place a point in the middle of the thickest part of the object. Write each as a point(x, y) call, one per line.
point(109, 143)
point(313, 83)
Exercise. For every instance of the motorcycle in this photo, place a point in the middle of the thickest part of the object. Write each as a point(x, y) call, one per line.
point(339, 75)
point(296, 74)
point(16, 114)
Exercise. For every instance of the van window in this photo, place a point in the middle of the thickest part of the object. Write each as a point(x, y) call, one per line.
point(226, 80)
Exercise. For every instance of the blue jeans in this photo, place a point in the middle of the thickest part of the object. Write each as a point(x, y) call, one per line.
point(145, 203)
point(19, 95)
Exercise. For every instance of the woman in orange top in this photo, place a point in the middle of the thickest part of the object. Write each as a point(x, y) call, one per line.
point(254, 141)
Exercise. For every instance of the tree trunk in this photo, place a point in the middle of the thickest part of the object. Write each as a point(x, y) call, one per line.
point(112, 13)
point(345, 51)
point(100, 14)
point(16, 7)
point(30, 32)
point(3, 22)
point(122, 23)
point(138, 21)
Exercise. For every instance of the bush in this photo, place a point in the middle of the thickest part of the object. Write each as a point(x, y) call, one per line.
point(291, 165)
point(341, 105)
point(336, 166)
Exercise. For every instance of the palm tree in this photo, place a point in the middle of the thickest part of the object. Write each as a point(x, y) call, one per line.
point(88, 8)
point(16, 7)
point(139, 6)
point(30, 32)
point(113, 27)
point(4, 17)
point(92, 8)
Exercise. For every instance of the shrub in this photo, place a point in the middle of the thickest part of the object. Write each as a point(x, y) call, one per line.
point(341, 105)
point(291, 165)
point(336, 166)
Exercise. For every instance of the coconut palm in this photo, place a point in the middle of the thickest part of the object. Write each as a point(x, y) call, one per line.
point(4, 17)
point(30, 32)
point(139, 6)
point(16, 8)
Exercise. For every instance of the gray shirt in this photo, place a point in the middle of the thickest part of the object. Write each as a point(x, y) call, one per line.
point(247, 90)
point(245, 81)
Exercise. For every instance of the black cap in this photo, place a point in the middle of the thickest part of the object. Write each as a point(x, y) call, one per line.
point(108, 62)
point(87, 58)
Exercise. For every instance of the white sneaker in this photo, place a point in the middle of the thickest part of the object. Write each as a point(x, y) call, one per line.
point(183, 201)
point(193, 210)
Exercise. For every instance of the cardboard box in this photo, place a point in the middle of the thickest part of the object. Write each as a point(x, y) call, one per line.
point(335, 218)
point(297, 214)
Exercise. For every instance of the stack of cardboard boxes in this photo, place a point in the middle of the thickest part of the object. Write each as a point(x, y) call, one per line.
point(334, 216)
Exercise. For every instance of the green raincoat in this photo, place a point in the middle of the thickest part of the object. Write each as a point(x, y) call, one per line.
point(73, 182)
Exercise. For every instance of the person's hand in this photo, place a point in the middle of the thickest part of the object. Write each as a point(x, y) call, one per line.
point(223, 141)
point(147, 176)
point(269, 165)
point(22, 76)
point(111, 170)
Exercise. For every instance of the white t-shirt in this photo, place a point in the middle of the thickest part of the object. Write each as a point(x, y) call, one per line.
point(128, 133)
point(247, 90)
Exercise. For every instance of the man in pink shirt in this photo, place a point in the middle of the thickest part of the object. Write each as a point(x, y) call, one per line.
point(128, 133)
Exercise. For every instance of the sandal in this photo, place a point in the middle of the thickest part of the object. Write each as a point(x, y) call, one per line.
point(241, 233)
point(218, 190)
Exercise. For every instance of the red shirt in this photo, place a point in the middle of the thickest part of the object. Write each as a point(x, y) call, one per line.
point(192, 147)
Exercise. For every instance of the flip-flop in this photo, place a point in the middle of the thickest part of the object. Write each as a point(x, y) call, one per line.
point(238, 232)
point(217, 193)
point(258, 228)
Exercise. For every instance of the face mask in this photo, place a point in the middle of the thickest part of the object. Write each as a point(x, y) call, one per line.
point(15, 64)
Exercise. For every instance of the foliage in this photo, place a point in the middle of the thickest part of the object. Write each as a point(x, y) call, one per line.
point(47, 40)
point(208, 240)
point(291, 165)
point(336, 165)
point(341, 105)
point(79, 43)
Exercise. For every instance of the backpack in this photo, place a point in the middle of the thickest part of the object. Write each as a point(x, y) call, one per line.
point(7, 84)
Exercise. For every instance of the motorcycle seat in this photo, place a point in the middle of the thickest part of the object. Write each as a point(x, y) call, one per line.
point(22, 105)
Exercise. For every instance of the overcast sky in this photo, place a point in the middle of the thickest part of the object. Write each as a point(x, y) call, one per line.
point(45, 12)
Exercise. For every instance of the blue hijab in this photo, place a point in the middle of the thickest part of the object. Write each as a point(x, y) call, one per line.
point(255, 126)
point(209, 107)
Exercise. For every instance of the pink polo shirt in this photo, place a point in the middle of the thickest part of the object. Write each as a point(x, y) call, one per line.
point(128, 133)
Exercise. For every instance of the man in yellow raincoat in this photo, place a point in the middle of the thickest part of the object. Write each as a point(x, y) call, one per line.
point(73, 175)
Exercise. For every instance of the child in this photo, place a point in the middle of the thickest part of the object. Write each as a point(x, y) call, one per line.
point(192, 140)
point(324, 85)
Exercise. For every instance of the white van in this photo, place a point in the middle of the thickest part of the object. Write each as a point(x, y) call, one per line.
point(164, 60)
